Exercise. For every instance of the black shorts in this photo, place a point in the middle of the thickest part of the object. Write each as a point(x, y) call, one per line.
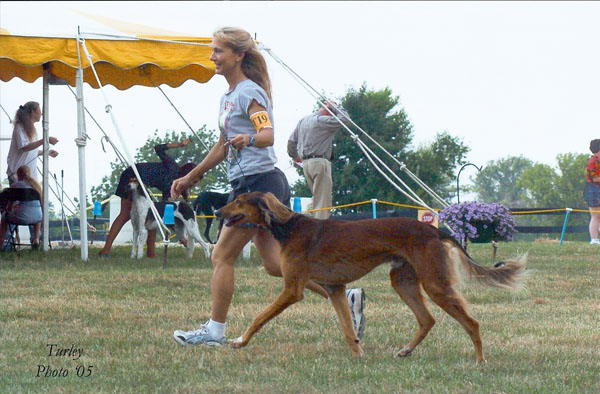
point(591, 194)
point(273, 181)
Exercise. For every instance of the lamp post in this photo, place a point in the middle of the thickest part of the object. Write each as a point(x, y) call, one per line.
point(458, 177)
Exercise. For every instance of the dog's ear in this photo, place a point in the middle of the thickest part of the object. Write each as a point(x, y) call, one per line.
point(257, 200)
point(266, 215)
point(277, 212)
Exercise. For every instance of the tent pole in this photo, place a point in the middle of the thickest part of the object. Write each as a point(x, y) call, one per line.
point(81, 154)
point(45, 126)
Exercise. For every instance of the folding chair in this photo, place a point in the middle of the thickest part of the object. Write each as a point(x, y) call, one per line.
point(16, 194)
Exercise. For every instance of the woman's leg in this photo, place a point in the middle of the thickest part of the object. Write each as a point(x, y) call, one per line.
point(151, 244)
point(36, 233)
point(269, 250)
point(228, 248)
point(3, 226)
point(594, 222)
point(117, 225)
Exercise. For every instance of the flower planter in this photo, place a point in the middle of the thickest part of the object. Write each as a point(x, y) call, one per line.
point(479, 222)
point(486, 232)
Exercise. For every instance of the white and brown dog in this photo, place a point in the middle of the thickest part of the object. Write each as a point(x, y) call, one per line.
point(143, 220)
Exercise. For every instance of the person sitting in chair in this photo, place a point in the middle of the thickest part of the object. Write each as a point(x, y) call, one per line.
point(25, 212)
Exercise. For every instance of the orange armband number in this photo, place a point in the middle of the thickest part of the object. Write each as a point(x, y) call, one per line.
point(260, 120)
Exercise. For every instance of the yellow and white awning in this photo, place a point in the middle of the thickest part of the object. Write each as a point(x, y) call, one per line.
point(122, 63)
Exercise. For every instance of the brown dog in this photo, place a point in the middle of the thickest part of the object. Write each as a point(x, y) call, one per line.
point(336, 252)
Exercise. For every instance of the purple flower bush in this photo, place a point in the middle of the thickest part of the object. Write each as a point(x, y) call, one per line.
point(470, 217)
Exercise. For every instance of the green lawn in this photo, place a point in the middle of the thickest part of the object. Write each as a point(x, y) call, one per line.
point(122, 313)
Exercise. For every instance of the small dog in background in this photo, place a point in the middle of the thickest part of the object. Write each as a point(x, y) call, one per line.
point(143, 220)
point(206, 203)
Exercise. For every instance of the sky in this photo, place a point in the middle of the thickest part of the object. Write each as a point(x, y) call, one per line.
point(507, 78)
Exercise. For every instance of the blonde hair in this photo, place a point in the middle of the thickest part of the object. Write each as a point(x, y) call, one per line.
point(24, 173)
point(23, 118)
point(254, 65)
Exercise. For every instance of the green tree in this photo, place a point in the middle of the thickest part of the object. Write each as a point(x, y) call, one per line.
point(518, 183)
point(545, 186)
point(537, 186)
point(436, 164)
point(497, 181)
point(354, 176)
point(193, 152)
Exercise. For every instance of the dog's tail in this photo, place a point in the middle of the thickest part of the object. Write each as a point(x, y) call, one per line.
point(508, 274)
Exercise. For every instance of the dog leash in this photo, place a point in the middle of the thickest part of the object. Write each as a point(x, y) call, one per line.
point(237, 158)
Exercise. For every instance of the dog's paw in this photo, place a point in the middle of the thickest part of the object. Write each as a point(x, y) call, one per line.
point(236, 343)
point(404, 352)
point(359, 353)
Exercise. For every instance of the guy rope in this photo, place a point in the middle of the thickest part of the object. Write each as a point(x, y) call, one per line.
point(369, 154)
point(164, 231)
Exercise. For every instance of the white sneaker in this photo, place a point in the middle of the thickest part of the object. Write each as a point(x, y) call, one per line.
point(200, 336)
point(356, 300)
point(595, 241)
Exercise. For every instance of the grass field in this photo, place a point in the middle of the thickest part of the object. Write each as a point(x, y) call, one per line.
point(122, 313)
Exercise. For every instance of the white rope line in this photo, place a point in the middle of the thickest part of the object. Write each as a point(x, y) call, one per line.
point(315, 92)
point(6, 113)
point(412, 196)
point(221, 167)
point(321, 99)
point(135, 38)
point(162, 228)
point(62, 202)
point(416, 198)
point(59, 188)
point(62, 209)
point(73, 212)
point(424, 186)
point(106, 137)
point(324, 98)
